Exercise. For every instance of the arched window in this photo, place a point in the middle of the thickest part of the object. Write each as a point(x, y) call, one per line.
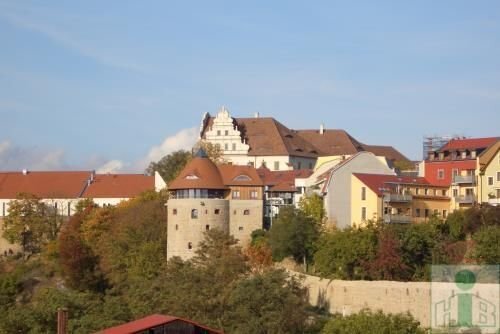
point(194, 214)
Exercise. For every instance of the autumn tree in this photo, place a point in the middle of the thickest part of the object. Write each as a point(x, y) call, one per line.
point(30, 223)
point(213, 152)
point(170, 165)
point(312, 206)
point(387, 263)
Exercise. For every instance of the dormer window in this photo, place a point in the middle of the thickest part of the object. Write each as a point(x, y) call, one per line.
point(441, 155)
point(473, 154)
point(191, 177)
point(464, 154)
point(242, 177)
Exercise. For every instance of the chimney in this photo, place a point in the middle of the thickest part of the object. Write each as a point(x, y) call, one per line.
point(321, 128)
point(25, 171)
point(256, 115)
point(62, 320)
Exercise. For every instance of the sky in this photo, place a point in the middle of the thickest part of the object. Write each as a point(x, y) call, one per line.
point(113, 85)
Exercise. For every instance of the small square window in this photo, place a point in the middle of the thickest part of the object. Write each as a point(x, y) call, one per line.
point(254, 194)
point(207, 227)
point(246, 212)
point(218, 132)
point(217, 211)
point(240, 228)
point(190, 245)
point(440, 174)
point(226, 132)
point(194, 214)
point(236, 194)
point(174, 212)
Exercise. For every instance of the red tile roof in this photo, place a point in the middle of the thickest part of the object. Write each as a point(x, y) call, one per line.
point(469, 143)
point(233, 175)
point(43, 184)
point(376, 182)
point(331, 142)
point(282, 180)
point(119, 185)
point(199, 173)
point(150, 322)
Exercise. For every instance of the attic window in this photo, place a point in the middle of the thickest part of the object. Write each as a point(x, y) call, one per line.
point(191, 177)
point(242, 178)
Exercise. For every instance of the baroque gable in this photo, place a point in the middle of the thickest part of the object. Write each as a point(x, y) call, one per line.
point(224, 132)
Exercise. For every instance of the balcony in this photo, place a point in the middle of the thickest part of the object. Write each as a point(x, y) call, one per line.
point(397, 198)
point(465, 199)
point(397, 219)
point(494, 201)
point(460, 179)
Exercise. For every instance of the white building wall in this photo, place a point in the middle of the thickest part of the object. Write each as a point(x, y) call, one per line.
point(337, 200)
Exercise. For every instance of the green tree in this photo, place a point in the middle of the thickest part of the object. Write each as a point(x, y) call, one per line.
point(344, 254)
point(487, 241)
point(293, 234)
point(388, 263)
point(312, 206)
point(271, 302)
point(30, 223)
point(170, 165)
point(367, 321)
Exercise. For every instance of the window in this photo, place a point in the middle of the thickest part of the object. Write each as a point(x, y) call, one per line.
point(234, 212)
point(246, 212)
point(207, 227)
point(69, 209)
point(417, 190)
point(190, 245)
point(426, 191)
point(363, 193)
point(426, 213)
point(236, 194)
point(234, 146)
point(473, 154)
point(464, 154)
point(174, 212)
point(498, 176)
point(363, 213)
point(194, 214)
point(226, 132)
point(3, 209)
point(454, 172)
point(276, 165)
point(445, 213)
point(254, 194)
point(250, 163)
point(176, 227)
point(440, 175)
point(417, 212)
point(240, 228)
point(310, 165)
point(455, 192)
point(299, 165)
point(216, 211)
point(443, 192)
point(226, 146)
point(218, 132)
point(242, 177)
point(490, 180)
point(436, 212)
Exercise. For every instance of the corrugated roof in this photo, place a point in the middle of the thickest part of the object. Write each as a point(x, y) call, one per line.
point(119, 185)
point(58, 184)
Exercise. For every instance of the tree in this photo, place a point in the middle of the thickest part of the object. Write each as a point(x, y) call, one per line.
point(170, 165)
point(30, 223)
point(312, 206)
point(270, 302)
point(388, 263)
point(293, 234)
point(214, 152)
point(486, 249)
point(344, 254)
point(367, 321)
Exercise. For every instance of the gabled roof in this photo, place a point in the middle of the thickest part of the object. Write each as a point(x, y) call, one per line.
point(43, 184)
point(487, 155)
point(331, 142)
point(118, 185)
point(234, 175)
point(282, 180)
point(151, 321)
point(377, 182)
point(469, 144)
point(389, 152)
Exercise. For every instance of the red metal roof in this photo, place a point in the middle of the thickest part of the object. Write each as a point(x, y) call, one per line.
point(119, 185)
point(43, 184)
point(469, 143)
point(376, 182)
point(150, 322)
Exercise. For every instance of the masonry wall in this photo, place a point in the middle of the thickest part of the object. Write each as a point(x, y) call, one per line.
point(245, 217)
point(347, 297)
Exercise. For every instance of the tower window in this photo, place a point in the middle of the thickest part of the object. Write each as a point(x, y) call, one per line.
point(217, 211)
point(226, 132)
point(207, 227)
point(246, 212)
point(190, 245)
point(176, 227)
point(240, 228)
point(174, 211)
point(194, 214)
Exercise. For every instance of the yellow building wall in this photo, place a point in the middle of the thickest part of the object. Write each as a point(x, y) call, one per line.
point(372, 203)
point(486, 190)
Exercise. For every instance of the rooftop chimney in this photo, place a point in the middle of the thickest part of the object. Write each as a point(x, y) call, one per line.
point(321, 128)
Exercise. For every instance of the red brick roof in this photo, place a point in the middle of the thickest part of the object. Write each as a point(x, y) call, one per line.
point(469, 143)
point(119, 185)
point(43, 184)
point(376, 182)
point(150, 322)
point(282, 180)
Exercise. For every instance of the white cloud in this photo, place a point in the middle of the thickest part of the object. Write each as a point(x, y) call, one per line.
point(113, 166)
point(182, 140)
point(14, 157)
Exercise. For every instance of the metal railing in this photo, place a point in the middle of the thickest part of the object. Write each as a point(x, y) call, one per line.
point(463, 179)
point(398, 219)
point(397, 198)
point(465, 199)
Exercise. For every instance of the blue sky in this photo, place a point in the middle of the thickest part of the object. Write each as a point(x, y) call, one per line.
point(118, 83)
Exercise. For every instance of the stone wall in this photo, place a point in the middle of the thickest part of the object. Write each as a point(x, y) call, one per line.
point(347, 297)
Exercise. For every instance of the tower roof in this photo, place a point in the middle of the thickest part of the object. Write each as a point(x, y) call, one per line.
point(199, 173)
